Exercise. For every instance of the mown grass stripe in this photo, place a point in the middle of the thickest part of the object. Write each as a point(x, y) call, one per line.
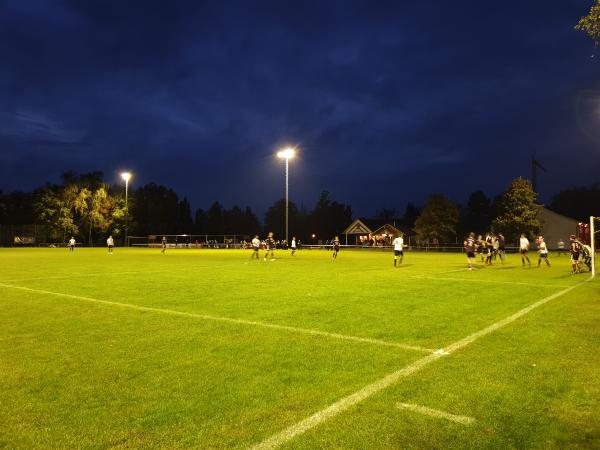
point(362, 340)
point(351, 400)
point(479, 280)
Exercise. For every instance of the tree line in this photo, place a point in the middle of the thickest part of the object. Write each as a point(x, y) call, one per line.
point(512, 213)
point(84, 206)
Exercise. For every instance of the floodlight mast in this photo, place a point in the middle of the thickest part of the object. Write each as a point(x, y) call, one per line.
point(126, 176)
point(287, 154)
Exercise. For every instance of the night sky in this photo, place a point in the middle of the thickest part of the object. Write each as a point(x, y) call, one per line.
point(386, 101)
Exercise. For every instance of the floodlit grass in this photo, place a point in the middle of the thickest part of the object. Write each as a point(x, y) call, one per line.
point(209, 349)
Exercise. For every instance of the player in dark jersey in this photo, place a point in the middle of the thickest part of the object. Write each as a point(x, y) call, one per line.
point(336, 247)
point(489, 249)
point(270, 246)
point(501, 247)
point(163, 244)
point(469, 245)
point(575, 249)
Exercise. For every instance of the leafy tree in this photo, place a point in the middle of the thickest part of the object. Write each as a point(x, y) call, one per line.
point(155, 210)
point(275, 218)
point(214, 221)
point(55, 208)
point(233, 220)
point(590, 24)
point(518, 212)
point(251, 225)
point(477, 215)
point(579, 202)
point(17, 208)
point(200, 221)
point(330, 218)
point(185, 224)
point(100, 212)
point(438, 220)
point(411, 213)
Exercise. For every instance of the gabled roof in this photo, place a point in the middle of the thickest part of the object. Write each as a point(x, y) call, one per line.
point(358, 227)
point(372, 226)
point(388, 229)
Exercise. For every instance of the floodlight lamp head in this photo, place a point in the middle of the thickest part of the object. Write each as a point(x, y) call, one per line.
point(286, 153)
point(126, 176)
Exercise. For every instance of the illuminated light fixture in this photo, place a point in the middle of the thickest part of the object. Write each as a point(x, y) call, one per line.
point(286, 153)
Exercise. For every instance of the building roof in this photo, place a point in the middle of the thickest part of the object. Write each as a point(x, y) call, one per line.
point(372, 226)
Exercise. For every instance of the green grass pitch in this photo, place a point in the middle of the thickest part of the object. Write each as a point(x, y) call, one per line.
point(209, 349)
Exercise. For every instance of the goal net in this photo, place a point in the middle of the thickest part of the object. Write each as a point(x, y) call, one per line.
point(587, 234)
point(594, 238)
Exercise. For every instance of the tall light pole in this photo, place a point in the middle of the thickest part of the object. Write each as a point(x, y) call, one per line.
point(126, 176)
point(287, 154)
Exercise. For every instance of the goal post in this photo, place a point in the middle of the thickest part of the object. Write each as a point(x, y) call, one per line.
point(593, 222)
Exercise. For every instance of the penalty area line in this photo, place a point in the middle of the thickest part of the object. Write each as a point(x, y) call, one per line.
point(353, 399)
point(207, 317)
point(465, 420)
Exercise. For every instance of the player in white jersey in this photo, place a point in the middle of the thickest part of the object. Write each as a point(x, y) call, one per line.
point(398, 244)
point(543, 251)
point(163, 244)
point(524, 249)
point(293, 247)
point(71, 244)
point(255, 247)
point(110, 243)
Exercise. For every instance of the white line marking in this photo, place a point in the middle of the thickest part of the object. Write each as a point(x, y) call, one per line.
point(465, 420)
point(478, 280)
point(464, 269)
point(362, 340)
point(351, 400)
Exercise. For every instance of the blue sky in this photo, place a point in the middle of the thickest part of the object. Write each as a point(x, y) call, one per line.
point(387, 101)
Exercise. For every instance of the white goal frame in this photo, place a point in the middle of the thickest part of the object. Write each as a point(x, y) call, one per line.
point(593, 243)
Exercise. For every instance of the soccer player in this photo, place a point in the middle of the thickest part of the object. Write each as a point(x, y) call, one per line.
point(255, 247)
point(524, 249)
point(398, 244)
point(489, 245)
point(163, 244)
point(480, 246)
point(543, 251)
point(110, 243)
point(336, 247)
point(586, 253)
point(501, 247)
point(71, 244)
point(561, 247)
point(495, 246)
point(575, 250)
point(270, 246)
point(469, 245)
point(293, 246)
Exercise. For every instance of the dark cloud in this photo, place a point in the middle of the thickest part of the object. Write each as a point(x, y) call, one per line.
point(388, 101)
